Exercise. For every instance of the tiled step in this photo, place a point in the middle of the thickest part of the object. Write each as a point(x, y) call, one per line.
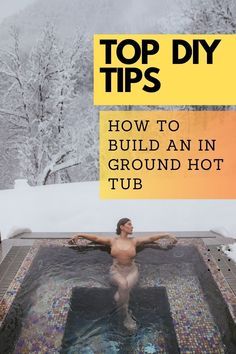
point(10, 266)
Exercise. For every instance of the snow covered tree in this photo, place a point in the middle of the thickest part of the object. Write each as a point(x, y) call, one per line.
point(37, 105)
point(210, 16)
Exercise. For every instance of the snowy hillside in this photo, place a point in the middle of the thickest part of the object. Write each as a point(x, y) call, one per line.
point(46, 29)
point(88, 17)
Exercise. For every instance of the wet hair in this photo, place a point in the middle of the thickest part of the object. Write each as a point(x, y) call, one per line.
point(121, 222)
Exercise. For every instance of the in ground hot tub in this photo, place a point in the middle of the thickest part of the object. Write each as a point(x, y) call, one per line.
point(65, 305)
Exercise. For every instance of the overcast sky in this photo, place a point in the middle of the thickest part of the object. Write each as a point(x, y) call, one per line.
point(10, 7)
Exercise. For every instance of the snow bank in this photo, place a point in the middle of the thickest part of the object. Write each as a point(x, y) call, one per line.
point(15, 231)
point(74, 207)
point(230, 251)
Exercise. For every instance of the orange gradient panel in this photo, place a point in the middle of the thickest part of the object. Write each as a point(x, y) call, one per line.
point(167, 155)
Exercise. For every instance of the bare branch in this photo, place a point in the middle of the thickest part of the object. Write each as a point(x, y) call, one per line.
point(66, 165)
point(2, 111)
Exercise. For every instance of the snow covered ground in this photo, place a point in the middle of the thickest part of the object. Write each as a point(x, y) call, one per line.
point(76, 207)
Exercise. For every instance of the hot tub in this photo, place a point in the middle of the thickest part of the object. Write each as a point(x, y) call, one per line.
point(65, 304)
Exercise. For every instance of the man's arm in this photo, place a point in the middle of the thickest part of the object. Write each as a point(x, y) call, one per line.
point(99, 239)
point(148, 239)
